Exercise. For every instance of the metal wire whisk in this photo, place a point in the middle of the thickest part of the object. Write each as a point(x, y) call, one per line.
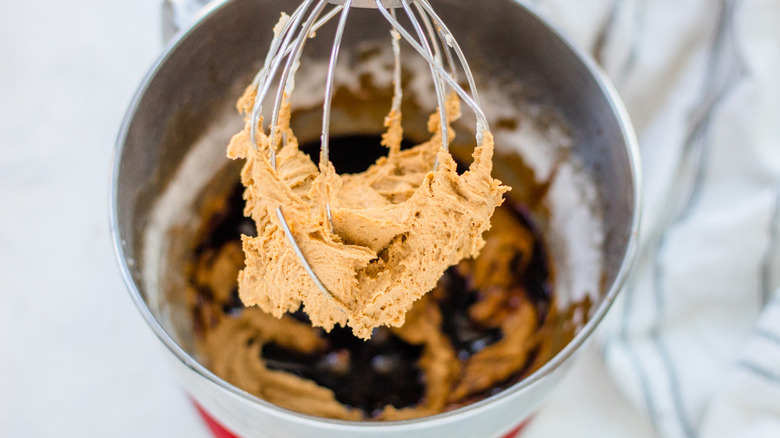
point(433, 41)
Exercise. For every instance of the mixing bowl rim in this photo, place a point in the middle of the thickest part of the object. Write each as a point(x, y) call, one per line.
point(553, 364)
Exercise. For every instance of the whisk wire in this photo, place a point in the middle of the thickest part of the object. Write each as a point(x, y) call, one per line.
point(437, 79)
point(395, 38)
point(289, 67)
point(432, 36)
point(467, 98)
point(326, 106)
point(302, 258)
point(452, 43)
point(264, 75)
point(263, 82)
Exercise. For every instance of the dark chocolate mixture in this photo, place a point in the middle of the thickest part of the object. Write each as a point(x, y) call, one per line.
point(479, 301)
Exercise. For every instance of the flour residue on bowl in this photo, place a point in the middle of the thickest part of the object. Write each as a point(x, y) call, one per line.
point(207, 323)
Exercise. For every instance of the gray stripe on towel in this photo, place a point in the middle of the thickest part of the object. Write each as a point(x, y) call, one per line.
point(759, 371)
point(771, 249)
point(723, 72)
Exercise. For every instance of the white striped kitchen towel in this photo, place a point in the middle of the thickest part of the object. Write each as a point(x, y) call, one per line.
point(694, 341)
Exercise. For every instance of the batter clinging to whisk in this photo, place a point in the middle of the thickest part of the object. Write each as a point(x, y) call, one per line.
point(359, 249)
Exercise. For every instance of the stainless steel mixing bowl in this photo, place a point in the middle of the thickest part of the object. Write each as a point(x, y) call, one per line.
point(194, 84)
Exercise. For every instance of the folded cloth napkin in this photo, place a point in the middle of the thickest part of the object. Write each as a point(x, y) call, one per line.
point(694, 341)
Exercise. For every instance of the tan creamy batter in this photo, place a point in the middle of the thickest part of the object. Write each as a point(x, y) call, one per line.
point(396, 227)
point(232, 343)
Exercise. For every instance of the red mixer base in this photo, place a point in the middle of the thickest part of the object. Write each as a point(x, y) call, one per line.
point(219, 431)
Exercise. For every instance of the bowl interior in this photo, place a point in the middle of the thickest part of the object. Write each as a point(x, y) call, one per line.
point(545, 103)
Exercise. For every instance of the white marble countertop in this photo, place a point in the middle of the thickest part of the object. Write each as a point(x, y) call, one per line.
point(76, 359)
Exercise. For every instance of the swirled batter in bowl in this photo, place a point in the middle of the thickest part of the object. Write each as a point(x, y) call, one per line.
point(489, 322)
